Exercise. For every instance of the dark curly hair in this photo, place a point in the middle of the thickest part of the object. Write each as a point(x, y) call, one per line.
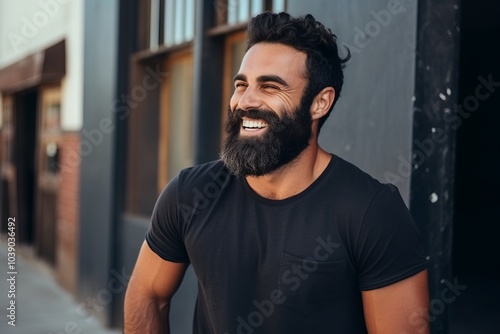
point(324, 66)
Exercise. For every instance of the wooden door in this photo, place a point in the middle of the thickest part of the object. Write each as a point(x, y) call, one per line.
point(48, 173)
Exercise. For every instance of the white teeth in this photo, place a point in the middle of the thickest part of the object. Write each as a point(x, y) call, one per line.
point(253, 124)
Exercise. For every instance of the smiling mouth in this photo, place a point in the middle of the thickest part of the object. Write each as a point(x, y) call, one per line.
point(253, 125)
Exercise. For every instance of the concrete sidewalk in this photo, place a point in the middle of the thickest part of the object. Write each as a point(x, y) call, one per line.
point(41, 305)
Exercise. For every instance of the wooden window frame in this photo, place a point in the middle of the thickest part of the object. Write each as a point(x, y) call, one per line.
point(164, 117)
point(151, 35)
point(221, 24)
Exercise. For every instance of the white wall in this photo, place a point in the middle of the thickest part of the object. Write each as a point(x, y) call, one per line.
point(30, 26)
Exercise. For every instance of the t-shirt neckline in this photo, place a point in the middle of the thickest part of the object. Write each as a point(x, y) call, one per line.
point(296, 197)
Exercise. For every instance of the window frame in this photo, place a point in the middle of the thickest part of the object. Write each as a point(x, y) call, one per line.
point(165, 115)
point(224, 24)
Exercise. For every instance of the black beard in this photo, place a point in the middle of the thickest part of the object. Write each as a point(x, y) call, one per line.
point(284, 139)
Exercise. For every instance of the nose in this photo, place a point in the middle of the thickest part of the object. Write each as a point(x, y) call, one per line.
point(250, 99)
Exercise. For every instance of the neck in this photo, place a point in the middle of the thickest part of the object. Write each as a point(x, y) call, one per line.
point(294, 177)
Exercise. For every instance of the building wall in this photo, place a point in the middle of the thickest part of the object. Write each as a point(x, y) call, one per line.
point(72, 85)
point(30, 26)
point(371, 125)
point(67, 214)
point(98, 231)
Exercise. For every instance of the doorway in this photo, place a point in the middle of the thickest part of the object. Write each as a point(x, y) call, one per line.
point(18, 163)
point(476, 229)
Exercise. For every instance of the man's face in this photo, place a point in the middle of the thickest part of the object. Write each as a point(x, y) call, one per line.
point(269, 124)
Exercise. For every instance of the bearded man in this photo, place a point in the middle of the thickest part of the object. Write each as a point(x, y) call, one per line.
point(283, 236)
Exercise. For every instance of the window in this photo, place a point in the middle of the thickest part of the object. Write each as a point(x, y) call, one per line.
point(48, 150)
point(154, 24)
point(160, 128)
point(51, 109)
point(159, 134)
point(175, 144)
point(233, 12)
point(7, 130)
point(171, 22)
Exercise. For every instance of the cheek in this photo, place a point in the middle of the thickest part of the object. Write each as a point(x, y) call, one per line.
point(285, 104)
point(233, 102)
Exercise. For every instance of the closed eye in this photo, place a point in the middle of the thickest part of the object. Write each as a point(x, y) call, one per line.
point(240, 85)
point(268, 87)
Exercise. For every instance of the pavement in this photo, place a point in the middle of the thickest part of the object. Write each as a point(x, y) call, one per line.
point(42, 306)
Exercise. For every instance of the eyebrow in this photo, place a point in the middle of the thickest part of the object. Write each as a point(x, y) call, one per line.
point(263, 78)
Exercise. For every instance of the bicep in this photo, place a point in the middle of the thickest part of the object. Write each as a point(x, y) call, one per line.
point(154, 276)
point(398, 308)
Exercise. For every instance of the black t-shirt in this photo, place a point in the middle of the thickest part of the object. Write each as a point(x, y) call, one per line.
point(285, 266)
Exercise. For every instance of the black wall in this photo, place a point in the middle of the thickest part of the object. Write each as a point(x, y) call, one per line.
point(477, 215)
point(476, 229)
point(432, 188)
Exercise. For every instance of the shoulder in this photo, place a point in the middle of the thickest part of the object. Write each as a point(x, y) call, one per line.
point(208, 178)
point(203, 174)
point(189, 189)
point(354, 184)
point(195, 178)
point(356, 195)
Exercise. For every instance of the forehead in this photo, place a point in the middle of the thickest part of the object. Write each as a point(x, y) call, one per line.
point(274, 59)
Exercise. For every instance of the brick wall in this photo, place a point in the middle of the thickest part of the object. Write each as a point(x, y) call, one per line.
point(67, 212)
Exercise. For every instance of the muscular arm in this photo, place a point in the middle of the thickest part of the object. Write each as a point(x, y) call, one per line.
point(399, 308)
point(151, 286)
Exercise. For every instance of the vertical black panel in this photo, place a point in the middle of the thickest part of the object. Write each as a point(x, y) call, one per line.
point(97, 201)
point(432, 192)
point(477, 181)
point(25, 134)
point(126, 46)
point(208, 65)
point(476, 227)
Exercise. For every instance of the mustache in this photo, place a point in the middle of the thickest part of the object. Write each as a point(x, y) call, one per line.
point(275, 122)
point(267, 115)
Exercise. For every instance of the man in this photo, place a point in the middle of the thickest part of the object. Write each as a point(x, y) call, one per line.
point(283, 236)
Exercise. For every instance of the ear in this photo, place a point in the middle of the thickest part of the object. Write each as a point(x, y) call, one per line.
point(322, 102)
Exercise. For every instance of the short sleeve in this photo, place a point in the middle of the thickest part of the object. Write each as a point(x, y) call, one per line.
point(389, 247)
point(165, 233)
